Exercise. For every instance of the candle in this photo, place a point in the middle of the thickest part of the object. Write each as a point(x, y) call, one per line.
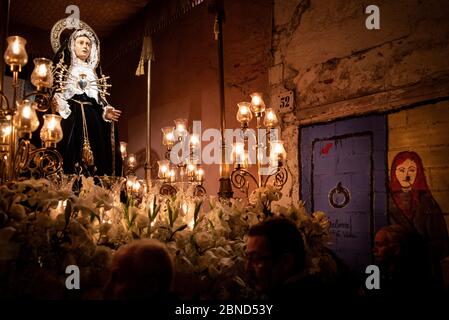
point(51, 132)
point(181, 127)
point(5, 131)
point(163, 168)
point(172, 175)
point(277, 152)
point(132, 161)
point(239, 152)
point(136, 186)
point(42, 76)
point(194, 140)
point(191, 168)
point(26, 118)
point(244, 114)
point(224, 171)
point(200, 175)
point(15, 55)
point(245, 160)
point(257, 104)
point(130, 181)
point(270, 120)
point(168, 138)
point(123, 150)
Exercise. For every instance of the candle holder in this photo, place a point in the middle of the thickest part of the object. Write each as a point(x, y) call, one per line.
point(131, 165)
point(181, 171)
point(124, 154)
point(18, 119)
point(51, 132)
point(274, 173)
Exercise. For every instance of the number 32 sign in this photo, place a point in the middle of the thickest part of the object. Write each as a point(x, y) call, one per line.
point(285, 101)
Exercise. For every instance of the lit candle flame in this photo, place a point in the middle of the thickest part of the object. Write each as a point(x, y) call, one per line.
point(16, 47)
point(200, 174)
point(52, 124)
point(172, 175)
point(136, 186)
point(26, 112)
point(42, 70)
point(194, 139)
point(244, 110)
point(7, 130)
point(170, 136)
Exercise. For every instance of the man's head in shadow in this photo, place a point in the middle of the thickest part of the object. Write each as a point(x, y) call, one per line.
point(143, 269)
point(275, 253)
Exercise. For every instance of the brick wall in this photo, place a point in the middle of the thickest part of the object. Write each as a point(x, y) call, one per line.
point(425, 130)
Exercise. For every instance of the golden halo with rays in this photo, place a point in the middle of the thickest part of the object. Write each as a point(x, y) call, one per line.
point(62, 25)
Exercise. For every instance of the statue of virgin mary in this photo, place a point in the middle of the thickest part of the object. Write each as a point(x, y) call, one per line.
point(90, 138)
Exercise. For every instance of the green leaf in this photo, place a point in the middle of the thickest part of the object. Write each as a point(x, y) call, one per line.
point(175, 214)
point(152, 214)
point(196, 211)
point(178, 229)
point(156, 207)
point(181, 228)
point(170, 214)
point(240, 281)
point(68, 212)
point(156, 211)
point(126, 212)
point(133, 218)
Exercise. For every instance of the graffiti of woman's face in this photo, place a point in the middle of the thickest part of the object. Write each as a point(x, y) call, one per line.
point(406, 174)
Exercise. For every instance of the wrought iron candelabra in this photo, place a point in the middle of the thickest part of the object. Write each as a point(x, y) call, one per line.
point(181, 170)
point(265, 141)
point(18, 119)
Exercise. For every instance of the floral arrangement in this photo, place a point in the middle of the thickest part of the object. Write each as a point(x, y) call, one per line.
point(47, 225)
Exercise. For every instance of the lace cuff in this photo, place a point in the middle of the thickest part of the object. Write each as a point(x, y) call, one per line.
point(104, 112)
point(62, 107)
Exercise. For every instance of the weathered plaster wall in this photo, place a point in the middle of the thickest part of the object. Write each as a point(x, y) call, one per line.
point(336, 67)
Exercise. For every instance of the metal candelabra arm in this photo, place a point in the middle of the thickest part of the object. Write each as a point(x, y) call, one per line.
point(37, 163)
point(199, 191)
point(280, 177)
point(239, 179)
point(4, 102)
point(21, 158)
point(168, 190)
point(41, 98)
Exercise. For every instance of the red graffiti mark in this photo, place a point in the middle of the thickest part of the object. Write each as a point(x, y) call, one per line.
point(326, 148)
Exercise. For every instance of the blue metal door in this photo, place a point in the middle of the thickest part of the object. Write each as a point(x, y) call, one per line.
point(343, 174)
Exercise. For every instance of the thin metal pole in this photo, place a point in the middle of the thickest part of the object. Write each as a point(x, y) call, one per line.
point(225, 189)
point(5, 166)
point(258, 150)
point(148, 149)
point(4, 23)
point(219, 20)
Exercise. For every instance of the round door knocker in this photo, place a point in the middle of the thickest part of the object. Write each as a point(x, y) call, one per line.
point(333, 194)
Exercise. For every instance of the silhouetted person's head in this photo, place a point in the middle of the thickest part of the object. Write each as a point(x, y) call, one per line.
point(388, 244)
point(275, 252)
point(394, 246)
point(142, 269)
